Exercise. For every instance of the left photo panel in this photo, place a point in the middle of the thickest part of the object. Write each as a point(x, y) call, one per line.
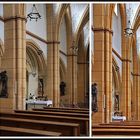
point(44, 69)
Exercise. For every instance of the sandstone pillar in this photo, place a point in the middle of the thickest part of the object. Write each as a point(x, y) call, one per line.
point(53, 74)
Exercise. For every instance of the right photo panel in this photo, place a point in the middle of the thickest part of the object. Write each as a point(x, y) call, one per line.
point(115, 69)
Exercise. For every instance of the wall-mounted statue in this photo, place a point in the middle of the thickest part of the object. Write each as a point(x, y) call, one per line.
point(94, 98)
point(62, 88)
point(3, 83)
point(116, 103)
point(40, 87)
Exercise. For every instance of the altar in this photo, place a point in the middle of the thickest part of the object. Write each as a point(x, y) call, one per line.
point(37, 104)
point(118, 118)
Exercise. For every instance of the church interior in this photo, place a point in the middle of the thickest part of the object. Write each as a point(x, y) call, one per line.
point(44, 69)
point(115, 58)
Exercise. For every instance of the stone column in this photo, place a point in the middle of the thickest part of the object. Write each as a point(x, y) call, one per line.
point(81, 91)
point(56, 70)
point(72, 75)
point(14, 59)
point(138, 97)
point(135, 85)
point(82, 73)
point(21, 55)
point(126, 80)
point(69, 77)
point(135, 97)
point(53, 59)
point(98, 65)
point(74, 79)
point(102, 69)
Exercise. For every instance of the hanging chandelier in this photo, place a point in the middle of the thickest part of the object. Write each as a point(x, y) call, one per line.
point(128, 31)
point(34, 14)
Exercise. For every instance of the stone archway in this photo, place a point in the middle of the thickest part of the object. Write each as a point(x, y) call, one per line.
point(116, 89)
point(35, 68)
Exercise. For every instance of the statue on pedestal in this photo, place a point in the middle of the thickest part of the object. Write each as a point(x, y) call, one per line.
point(94, 98)
point(3, 82)
point(62, 88)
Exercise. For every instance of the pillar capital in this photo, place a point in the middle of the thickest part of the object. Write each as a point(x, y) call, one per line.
point(15, 18)
point(126, 60)
point(102, 29)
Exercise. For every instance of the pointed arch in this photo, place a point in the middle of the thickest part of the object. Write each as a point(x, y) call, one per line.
point(116, 73)
point(116, 100)
point(33, 46)
point(60, 16)
point(81, 25)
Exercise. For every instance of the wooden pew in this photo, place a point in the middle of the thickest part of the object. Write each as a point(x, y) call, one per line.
point(67, 129)
point(54, 113)
point(83, 122)
point(110, 130)
point(61, 110)
point(115, 132)
point(67, 108)
point(14, 131)
point(125, 123)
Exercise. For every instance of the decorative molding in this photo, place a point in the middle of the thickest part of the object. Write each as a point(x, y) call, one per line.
point(102, 30)
point(82, 62)
point(1, 19)
point(113, 50)
point(135, 74)
point(123, 60)
point(63, 53)
point(15, 18)
point(53, 42)
point(68, 54)
point(126, 60)
point(41, 39)
point(35, 36)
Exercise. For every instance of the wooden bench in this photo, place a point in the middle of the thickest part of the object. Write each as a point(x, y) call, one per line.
point(14, 131)
point(54, 113)
point(125, 123)
point(61, 110)
point(111, 129)
point(83, 122)
point(67, 129)
point(68, 108)
point(115, 132)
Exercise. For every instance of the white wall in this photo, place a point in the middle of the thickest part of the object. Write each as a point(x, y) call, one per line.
point(1, 10)
point(56, 7)
point(63, 36)
point(39, 27)
point(64, 59)
point(86, 34)
point(63, 41)
point(33, 85)
point(32, 67)
point(1, 24)
point(117, 32)
point(138, 40)
point(77, 11)
point(2, 31)
point(116, 40)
